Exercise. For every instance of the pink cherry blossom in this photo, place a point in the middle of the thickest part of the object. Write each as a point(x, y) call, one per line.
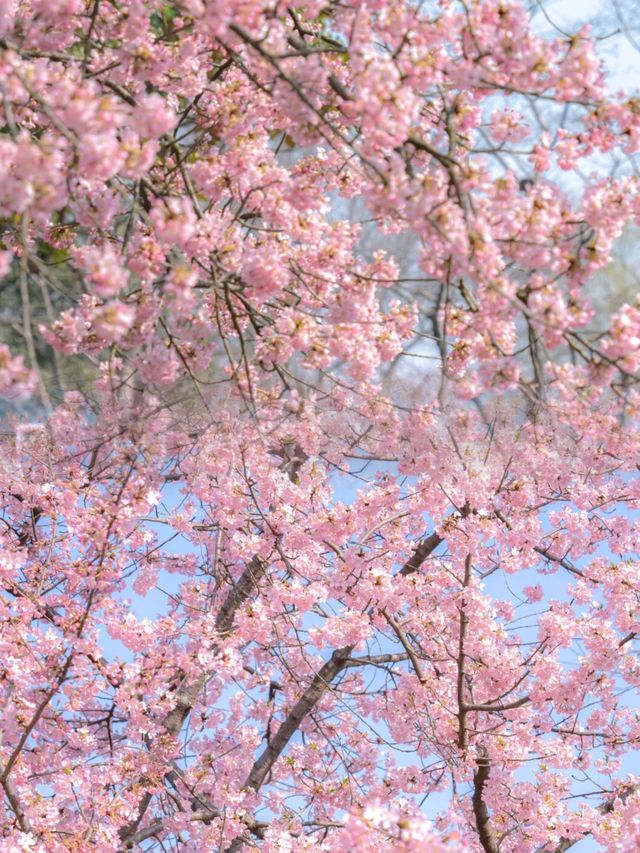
point(319, 463)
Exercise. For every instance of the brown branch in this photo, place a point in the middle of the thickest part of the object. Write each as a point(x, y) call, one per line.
point(425, 549)
point(401, 636)
point(488, 838)
point(256, 828)
point(544, 552)
point(492, 707)
point(463, 736)
point(295, 86)
point(186, 697)
point(237, 595)
point(561, 561)
point(307, 702)
point(48, 696)
point(422, 145)
point(16, 805)
point(427, 546)
point(86, 55)
point(604, 808)
point(376, 660)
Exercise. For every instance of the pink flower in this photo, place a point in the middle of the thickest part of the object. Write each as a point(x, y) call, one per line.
point(174, 221)
point(5, 263)
point(104, 269)
point(16, 381)
point(113, 320)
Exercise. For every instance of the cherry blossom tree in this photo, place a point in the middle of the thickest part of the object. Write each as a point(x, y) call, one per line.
point(319, 485)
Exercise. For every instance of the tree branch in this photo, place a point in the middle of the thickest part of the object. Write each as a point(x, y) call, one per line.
point(604, 808)
point(427, 546)
point(401, 636)
point(16, 805)
point(481, 812)
point(186, 697)
point(425, 549)
point(303, 706)
point(463, 737)
point(307, 702)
